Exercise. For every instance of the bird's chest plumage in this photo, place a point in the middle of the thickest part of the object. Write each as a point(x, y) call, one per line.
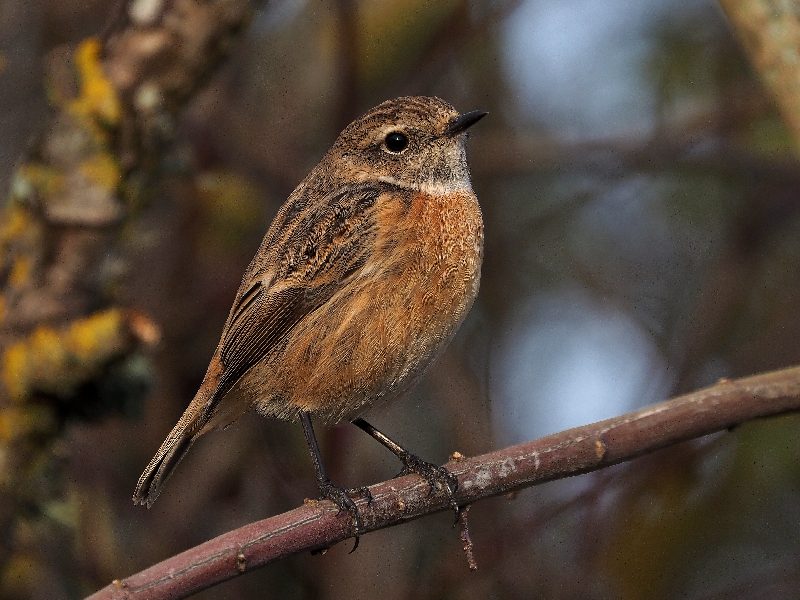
point(430, 252)
point(431, 249)
point(375, 336)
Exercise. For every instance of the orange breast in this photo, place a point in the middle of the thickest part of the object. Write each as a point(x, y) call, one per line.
point(372, 340)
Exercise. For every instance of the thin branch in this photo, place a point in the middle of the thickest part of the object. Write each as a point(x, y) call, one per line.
point(769, 32)
point(690, 148)
point(318, 524)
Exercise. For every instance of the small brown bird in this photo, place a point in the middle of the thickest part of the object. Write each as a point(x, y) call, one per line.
point(363, 277)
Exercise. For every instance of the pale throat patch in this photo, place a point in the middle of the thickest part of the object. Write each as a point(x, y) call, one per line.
point(432, 188)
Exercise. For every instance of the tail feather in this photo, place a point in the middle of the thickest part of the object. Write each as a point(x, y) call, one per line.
point(201, 416)
point(162, 465)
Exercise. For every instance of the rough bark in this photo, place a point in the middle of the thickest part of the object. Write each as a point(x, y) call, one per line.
point(67, 344)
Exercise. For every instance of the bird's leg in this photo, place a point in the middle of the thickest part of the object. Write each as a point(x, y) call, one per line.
point(339, 496)
point(435, 475)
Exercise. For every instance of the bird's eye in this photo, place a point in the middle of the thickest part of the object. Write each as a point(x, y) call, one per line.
point(396, 142)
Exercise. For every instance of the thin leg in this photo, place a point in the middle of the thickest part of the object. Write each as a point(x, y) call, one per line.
point(339, 496)
point(313, 448)
point(435, 475)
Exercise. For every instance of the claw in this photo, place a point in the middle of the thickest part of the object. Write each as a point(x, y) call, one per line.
point(361, 492)
point(341, 498)
point(435, 475)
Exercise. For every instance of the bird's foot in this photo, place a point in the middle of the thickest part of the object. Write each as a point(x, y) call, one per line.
point(343, 498)
point(436, 476)
point(361, 492)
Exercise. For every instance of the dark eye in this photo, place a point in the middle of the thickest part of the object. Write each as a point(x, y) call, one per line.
point(396, 141)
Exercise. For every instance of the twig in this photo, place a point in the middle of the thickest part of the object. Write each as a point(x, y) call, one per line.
point(466, 539)
point(583, 449)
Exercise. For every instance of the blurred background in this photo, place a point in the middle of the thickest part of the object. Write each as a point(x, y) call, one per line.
point(640, 196)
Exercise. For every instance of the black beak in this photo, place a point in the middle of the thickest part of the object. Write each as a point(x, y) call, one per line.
point(464, 121)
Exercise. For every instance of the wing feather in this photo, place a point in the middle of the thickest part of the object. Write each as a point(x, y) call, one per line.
point(326, 244)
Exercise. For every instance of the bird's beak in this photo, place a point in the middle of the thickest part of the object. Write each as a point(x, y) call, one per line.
point(464, 121)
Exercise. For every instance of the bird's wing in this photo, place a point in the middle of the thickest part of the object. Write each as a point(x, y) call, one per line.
point(313, 253)
point(313, 249)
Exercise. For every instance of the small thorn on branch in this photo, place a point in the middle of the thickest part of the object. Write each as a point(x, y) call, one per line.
point(466, 540)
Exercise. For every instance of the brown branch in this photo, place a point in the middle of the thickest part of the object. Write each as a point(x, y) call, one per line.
point(318, 525)
point(506, 153)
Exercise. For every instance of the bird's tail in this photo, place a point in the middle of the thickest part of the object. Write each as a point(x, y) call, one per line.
point(164, 462)
point(207, 411)
point(193, 423)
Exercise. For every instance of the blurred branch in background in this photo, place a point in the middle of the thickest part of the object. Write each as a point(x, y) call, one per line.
point(319, 525)
point(67, 349)
point(770, 33)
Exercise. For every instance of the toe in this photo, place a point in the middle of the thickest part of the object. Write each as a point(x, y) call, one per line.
point(341, 498)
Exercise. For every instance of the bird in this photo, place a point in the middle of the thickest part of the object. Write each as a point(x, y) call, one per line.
point(364, 275)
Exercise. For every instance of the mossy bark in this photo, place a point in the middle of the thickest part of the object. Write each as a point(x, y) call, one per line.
point(68, 348)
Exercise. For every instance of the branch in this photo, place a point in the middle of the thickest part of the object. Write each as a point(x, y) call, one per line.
point(768, 30)
point(318, 524)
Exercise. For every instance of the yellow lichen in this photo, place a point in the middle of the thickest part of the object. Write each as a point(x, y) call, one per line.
point(20, 272)
point(102, 170)
point(47, 355)
point(46, 181)
point(15, 221)
point(19, 421)
point(14, 370)
point(56, 361)
point(96, 336)
point(7, 417)
point(97, 98)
